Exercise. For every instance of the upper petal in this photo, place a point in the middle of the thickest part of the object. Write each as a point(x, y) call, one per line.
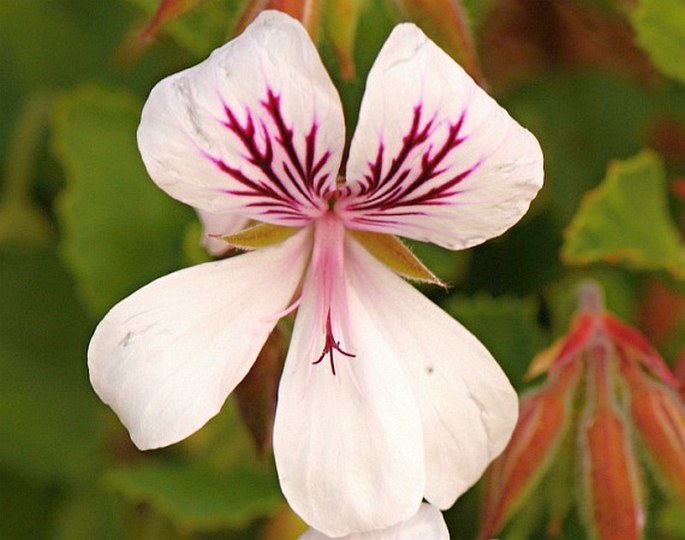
point(348, 445)
point(426, 524)
point(256, 129)
point(468, 408)
point(166, 357)
point(433, 157)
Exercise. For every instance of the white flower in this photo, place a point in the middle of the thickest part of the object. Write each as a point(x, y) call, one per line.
point(426, 524)
point(384, 398)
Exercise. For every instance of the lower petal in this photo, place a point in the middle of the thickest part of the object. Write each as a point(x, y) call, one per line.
point(348, 445)
point(427, 524)
point(166, 357)
point(468, 408)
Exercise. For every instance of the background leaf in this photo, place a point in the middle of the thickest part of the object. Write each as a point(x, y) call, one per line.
point(49, 417)
point(626, 220)
point(200, 497)
point(111, 256)
point(660, 28)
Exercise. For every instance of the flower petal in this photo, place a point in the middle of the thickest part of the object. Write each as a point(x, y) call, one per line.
point(468, 408)
point(347, 445)
point(434, 158)
point(256, 129)
point(166, 357)
point(214, 226)
point(427, 524)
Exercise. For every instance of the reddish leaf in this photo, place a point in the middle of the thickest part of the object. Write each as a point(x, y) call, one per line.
point(635, 345)
point(305, 11)
point(612, 493)
point(659, 416)
point(566, 348)
point(543, 420)
point(167, 11)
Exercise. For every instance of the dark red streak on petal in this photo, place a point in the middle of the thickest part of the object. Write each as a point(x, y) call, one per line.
point(392, 191)
point(298, 185)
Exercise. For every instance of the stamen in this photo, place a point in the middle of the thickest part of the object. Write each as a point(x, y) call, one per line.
point(278, 316)
point(330, 345)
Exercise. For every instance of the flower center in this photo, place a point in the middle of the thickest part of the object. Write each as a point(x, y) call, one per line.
point(326, 275)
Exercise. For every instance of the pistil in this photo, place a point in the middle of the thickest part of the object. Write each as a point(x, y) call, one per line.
point(330, 345)
point(326, 275)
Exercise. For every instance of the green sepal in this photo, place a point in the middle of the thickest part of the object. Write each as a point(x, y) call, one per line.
point(390, 250)
point(259, 236)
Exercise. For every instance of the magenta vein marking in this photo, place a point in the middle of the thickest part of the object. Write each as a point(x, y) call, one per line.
point(300, 182)
point(382, 192)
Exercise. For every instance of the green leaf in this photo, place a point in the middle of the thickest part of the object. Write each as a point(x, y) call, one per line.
point(49, 416)
point(660, 29)
point(200, 497)
point(120, 230)
point(507, 326)
point(626, 221)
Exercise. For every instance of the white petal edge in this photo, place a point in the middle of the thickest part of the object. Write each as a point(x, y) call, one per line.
point(468, 407)
point(165, 358)
point(182, 129)
point(427, 524)
point(411, 70)
point(348, 447)
point(216, 225)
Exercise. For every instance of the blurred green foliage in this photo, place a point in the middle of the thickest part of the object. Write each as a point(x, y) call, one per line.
point(81, 226)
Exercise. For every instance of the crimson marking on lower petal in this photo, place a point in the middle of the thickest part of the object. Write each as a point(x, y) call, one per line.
point(330, 345)
point(382, 194)
point(286, 182)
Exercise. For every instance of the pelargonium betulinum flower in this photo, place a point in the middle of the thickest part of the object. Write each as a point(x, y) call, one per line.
point(384, 399)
